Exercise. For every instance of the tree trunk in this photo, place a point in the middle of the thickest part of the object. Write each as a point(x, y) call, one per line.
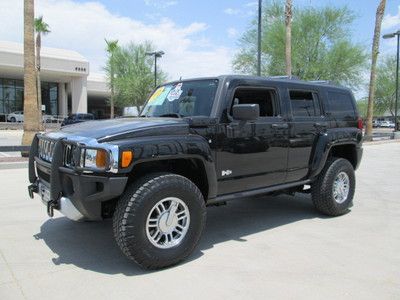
point(112, 89)
point(31, 113)
point(372, 81)
point(38, 83)
point(288, 44)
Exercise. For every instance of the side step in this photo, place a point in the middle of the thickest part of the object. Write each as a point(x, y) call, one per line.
point(226, 197)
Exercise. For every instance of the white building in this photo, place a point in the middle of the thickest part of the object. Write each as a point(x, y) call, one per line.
point(67, 85)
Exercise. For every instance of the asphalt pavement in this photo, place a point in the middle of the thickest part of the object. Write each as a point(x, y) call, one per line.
point(259, 248)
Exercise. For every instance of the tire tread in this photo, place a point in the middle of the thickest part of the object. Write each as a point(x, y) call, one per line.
point(129, 205)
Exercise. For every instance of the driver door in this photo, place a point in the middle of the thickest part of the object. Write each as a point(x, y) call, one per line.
point(253, 154)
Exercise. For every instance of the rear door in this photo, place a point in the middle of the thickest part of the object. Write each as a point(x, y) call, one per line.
point(307, 121)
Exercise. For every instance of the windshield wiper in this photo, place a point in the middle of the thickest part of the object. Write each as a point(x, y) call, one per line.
point(174, 115)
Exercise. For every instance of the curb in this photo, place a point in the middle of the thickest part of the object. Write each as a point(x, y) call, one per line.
point(372, 143)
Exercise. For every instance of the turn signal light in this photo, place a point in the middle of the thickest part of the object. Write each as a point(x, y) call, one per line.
point(101, 158)
point(126, 158)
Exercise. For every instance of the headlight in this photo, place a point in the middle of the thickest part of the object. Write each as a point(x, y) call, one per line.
point(95, 159)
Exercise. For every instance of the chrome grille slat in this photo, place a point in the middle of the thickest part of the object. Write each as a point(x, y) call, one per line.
point(46, 149)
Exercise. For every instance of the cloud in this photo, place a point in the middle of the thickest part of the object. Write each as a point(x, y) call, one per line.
point(390, 21)
point(231, 11)
point(83, 26)
point(232, 32)
point(160, 3)
point(251, 4)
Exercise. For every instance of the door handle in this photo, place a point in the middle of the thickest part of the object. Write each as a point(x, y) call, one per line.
point(280, 125)
point(320, 125)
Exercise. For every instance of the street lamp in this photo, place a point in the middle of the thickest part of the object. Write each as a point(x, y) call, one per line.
point(156, 54)
point(390, 36)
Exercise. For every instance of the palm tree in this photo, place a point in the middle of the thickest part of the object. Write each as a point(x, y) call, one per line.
point(288, 44)
point(40, 28)
point(375, 50)
point(32, 122)
point(112, 46)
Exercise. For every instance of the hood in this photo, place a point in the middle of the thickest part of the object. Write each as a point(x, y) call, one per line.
point(108, 130)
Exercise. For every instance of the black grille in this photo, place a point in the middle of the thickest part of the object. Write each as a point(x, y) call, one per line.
point(42, 175)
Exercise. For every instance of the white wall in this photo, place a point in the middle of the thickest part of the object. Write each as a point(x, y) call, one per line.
point(79, 95)
point(62, 99)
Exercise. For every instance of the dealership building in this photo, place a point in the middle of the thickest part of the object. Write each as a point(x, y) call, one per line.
point(67, 86)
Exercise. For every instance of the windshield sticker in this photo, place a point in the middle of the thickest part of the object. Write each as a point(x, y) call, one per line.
point(159, 95)
point(175, 93)
point(156, 94)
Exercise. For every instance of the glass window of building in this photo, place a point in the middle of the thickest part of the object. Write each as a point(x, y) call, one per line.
point(12, 96)
point(1, 97)
point(9, 95)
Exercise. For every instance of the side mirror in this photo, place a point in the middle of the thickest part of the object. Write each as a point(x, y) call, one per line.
point(246, 112)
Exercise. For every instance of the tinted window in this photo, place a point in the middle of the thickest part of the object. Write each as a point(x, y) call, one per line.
point(265, 98)
point(304, 104)
point(341, 104)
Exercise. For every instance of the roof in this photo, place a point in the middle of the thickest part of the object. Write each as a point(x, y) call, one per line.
point(282, 79)
point(18, 48)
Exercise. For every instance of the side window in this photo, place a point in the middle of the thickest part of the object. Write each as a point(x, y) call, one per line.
point(341, 104)
point(265, 98)
point(304, 103)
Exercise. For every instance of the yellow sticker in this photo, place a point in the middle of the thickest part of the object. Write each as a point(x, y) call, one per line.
point(156, 94)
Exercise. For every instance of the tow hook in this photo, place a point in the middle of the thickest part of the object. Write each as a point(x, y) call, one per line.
point(33, 188)
point(51, 205)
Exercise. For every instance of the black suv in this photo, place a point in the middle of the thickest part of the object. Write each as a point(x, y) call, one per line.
point(77, 118)
point(196, 143)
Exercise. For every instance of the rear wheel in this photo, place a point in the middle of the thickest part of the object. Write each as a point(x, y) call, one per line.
point(13, 120)
point(159, 220)
point(333, 191)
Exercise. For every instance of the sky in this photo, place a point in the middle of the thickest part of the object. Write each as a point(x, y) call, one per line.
point(199, 38)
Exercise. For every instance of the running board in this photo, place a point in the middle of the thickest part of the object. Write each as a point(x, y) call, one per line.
point(255, 192)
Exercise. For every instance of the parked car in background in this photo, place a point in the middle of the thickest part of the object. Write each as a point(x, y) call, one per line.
point(77, 118)
point(387, 124)
point(376, 124)
point(16, 116)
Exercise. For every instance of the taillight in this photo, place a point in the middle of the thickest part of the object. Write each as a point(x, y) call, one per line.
point(360, 124)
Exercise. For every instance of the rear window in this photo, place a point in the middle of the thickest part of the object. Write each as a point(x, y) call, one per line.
point(341, 104)
point(304, 103)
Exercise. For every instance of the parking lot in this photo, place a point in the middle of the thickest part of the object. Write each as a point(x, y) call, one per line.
point(275, 247)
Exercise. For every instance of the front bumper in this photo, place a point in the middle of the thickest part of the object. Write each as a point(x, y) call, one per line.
point(75, 194)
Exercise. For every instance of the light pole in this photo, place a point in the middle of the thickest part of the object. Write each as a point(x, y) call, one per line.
point(156, 54)
point(390, 36)
point(259, 39)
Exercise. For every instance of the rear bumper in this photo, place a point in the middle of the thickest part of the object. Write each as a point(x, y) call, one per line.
point(81, 195)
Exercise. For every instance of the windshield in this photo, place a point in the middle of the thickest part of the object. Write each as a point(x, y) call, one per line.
point(182, 99)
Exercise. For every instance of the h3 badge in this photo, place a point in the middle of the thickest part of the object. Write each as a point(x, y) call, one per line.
point(226, 172)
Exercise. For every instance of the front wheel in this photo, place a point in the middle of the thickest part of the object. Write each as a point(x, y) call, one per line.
point(159, 220)
point(333, 191)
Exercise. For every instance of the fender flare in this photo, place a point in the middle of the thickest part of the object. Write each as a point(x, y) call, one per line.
point(320, 153)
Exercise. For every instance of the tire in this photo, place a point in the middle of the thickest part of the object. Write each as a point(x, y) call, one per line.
point(322, 190)
point(135, 209)
point(13, 120)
